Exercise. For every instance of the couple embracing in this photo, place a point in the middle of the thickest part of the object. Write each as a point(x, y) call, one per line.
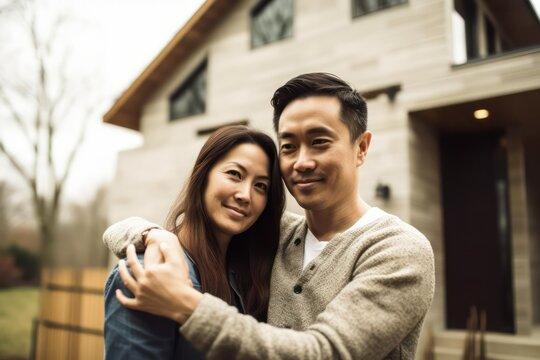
point(232, 276)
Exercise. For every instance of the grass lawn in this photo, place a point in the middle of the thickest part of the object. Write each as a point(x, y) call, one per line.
point(18, 306)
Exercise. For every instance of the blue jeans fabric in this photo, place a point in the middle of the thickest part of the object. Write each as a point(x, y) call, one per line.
point(134, 335)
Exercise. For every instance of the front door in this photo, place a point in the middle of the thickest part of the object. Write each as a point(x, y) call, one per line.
point(477, 234)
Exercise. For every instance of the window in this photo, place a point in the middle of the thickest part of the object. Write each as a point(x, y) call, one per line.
point(190, 98)
point(271, 20)
point(469, 30)
point(481, 29)
point(363, 7)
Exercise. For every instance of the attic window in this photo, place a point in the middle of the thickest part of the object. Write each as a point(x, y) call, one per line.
point(271, 20)
point(363, 7)
point(190, 98)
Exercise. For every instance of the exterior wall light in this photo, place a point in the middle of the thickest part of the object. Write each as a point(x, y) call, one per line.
point(481, 114)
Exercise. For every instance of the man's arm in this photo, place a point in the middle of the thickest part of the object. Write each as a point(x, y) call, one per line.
point(119, 235)
point(386, 300)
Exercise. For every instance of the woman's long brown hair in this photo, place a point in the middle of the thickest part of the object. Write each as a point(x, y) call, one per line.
point(252, 251)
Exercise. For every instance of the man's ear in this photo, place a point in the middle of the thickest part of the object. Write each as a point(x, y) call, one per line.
point(362, 146)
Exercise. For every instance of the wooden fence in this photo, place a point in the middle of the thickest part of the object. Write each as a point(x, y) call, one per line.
point(70, 324)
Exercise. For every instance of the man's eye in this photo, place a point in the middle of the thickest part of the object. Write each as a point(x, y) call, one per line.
point(234, 173)
point(320, 141)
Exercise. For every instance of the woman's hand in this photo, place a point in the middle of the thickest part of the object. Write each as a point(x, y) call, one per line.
point(162, 289)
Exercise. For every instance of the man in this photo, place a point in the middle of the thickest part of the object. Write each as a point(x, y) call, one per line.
point(349, 281)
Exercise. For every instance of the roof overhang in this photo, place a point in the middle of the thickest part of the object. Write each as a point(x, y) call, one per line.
point(126, 110)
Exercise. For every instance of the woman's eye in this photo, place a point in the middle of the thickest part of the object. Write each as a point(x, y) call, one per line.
point(234, 173)
point(262, 186)
point(287, 147)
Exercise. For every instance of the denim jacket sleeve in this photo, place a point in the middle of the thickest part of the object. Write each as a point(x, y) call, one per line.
point(131, 334)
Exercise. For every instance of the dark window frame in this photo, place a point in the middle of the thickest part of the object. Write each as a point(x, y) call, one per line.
point(355, 15)
point(255, 11)
point(187, 84)
point(484, 36)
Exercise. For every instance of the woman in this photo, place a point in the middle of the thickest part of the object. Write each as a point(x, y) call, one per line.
point(227, 220)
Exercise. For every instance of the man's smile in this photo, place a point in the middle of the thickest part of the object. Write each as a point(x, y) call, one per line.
point(307, 182)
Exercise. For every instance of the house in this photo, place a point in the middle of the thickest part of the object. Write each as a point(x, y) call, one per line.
point(452, 87)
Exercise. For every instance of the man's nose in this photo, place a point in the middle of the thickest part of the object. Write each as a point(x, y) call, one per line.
point(304, 162)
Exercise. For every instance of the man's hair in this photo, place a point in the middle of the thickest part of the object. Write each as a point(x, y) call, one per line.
point(353, 106)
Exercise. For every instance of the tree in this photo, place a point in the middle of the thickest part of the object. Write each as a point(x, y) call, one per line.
point(85, 222)
point(3, 206)
point(40, 95)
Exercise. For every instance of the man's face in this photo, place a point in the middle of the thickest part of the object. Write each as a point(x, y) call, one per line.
point(317, 159)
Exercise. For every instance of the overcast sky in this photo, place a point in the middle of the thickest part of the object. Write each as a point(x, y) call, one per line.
point(119, 38)
point(129, 34)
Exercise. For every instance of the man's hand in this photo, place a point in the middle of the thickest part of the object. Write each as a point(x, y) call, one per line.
point(152, 254)
point(162, 289)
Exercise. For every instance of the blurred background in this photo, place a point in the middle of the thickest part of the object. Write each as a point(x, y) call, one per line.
point(62, 65)
point(104, 106)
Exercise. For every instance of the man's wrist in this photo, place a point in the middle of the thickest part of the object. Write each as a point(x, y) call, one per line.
point(144, 235)
point(190, 300)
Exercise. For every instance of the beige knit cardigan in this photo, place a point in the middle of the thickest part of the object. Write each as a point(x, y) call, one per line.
point(364, 297)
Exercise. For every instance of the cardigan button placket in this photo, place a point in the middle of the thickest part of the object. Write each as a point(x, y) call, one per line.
point(297, 289)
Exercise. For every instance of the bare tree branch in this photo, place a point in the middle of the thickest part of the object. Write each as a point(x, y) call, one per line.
point(54, 98)
point(52, 103)
point(55, 101)
point(55, 29)
point(20, 169)
point(9, 6)
point(19, 86)
point(15, 115)
point(59, 185)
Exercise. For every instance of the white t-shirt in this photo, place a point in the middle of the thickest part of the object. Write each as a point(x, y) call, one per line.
point(314, 246)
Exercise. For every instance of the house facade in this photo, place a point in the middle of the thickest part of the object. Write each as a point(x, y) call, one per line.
point(452, 88)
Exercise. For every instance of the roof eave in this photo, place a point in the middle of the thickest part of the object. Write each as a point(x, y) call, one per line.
point(126, 110)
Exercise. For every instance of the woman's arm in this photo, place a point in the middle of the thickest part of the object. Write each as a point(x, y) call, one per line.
point(164, 289)
point(131, 334)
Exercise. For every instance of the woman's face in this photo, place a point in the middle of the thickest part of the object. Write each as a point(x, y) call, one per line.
point(236, 190)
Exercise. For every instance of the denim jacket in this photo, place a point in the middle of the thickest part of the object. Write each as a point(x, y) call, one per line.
point(134, 335)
